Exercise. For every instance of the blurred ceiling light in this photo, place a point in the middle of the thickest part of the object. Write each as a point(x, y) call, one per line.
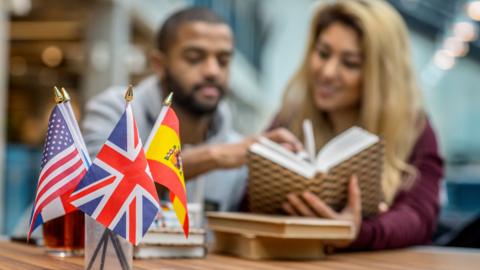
point(464, 50)
point(18, 66)
point(52, 56)
point(135, 59)
point(100, 56)
point(456, 46)
point(466, 31)
point(21, 7)
point(444, 59)
point(473, 10)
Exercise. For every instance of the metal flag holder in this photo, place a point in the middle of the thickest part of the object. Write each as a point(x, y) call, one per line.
point(103, 244)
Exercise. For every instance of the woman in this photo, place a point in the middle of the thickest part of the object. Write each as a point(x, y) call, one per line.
point(357, 71)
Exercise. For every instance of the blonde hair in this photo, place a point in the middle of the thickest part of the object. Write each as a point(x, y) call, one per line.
point(390, 100)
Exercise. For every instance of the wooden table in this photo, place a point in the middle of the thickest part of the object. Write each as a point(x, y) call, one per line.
point(19, 256)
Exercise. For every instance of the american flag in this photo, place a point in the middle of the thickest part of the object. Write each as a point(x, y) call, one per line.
point(118, 190)
point(61, 169)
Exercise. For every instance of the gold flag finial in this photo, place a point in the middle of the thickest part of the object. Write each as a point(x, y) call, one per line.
point(58, 95)
point(66, 96)
point(129, 94)
point(168, 101)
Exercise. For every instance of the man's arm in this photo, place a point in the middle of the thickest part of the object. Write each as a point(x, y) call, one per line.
point(201, 159)
point(100, 116)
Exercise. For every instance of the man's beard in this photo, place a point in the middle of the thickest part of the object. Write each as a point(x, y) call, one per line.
point(186, 99)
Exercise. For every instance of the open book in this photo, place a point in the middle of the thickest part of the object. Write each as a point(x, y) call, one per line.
point(340, 148)
point(275, 171)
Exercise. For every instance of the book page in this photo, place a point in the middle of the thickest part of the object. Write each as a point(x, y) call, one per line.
point(283, 157)
point(309, 139)
point(344, 146)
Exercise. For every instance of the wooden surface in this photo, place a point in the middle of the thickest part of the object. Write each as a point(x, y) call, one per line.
point(19, 256)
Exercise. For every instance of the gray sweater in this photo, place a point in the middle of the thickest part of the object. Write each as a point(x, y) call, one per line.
point(225, 187)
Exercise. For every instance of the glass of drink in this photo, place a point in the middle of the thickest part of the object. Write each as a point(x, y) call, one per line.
point(64, 236)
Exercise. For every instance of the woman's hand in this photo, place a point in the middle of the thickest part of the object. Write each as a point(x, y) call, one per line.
point(312, 206)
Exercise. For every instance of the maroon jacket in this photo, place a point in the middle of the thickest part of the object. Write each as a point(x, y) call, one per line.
point(412, 218)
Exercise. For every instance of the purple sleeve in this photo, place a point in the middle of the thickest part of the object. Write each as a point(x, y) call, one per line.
point(412, 218)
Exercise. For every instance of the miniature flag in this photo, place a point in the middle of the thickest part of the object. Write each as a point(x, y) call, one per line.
point(164, 160)
point(62, 168)
point(118, 190)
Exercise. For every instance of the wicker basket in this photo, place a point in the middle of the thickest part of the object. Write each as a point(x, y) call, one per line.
point(269, 183)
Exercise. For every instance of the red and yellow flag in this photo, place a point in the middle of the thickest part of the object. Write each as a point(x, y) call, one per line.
point(165, 162)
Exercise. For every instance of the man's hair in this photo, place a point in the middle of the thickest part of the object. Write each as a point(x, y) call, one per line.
point(167, 33)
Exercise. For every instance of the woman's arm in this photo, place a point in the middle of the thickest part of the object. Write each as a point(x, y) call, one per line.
point(412, 218)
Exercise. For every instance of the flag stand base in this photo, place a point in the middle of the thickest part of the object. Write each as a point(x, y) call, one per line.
point(104, 249)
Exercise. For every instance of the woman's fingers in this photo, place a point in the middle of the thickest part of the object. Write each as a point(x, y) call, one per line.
point(354, 196)
point(299, 206)
point(288, 208)
point(382, 207)
point(321, 208)
point(310, 205)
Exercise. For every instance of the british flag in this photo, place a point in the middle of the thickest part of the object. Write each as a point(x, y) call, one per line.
point(118, 190)
point(62, 168)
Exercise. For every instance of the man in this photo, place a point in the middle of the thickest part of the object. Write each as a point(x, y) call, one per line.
point(194, 49)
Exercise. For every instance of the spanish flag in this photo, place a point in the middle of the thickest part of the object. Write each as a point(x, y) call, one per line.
point(163, 155)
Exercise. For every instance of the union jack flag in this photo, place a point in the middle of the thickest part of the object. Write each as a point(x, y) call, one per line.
point(62, 168)
point(118, 190)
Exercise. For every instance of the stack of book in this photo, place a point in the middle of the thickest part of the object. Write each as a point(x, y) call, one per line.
point(255, 236)
point(165, 238)
point(163, 242)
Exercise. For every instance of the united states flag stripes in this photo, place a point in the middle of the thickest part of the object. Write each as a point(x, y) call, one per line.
point(62, 168)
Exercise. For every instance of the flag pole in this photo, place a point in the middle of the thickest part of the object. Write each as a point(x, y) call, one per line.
point(58, 98)
point(155, 134)
point(129, 94)
point(72, 123)
point(167, 102)
point(67, 110)
point(107, 233)
point(60, 101)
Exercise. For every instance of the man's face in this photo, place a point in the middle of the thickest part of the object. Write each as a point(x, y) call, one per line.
point(197, 66)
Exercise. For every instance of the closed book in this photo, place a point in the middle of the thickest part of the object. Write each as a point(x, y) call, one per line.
point(256, 236)
point(274, 172)
point(280, 226)
point(174, 236)
point(163, 251)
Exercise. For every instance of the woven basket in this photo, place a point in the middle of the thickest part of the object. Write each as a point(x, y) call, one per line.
point(269, 183)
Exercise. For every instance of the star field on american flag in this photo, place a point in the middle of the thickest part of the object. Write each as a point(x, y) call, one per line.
point(58, 138)
point(61, 170)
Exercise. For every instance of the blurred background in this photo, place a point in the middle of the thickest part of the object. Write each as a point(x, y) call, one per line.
point(88, 45)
